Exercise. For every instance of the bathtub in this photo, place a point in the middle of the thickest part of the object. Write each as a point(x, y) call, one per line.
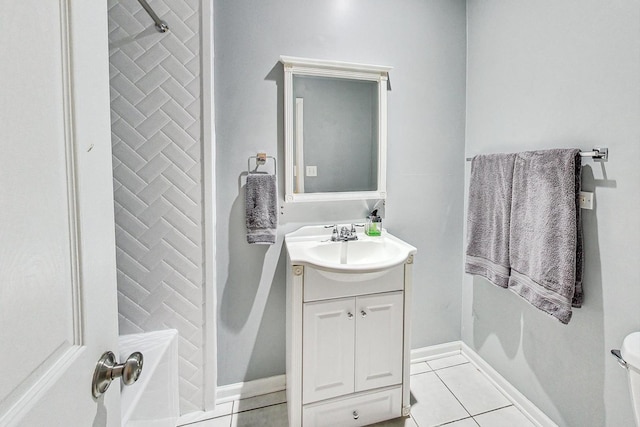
point(152, 401)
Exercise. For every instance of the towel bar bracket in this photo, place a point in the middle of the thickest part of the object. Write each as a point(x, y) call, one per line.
point(260, 160)
point(599, 153)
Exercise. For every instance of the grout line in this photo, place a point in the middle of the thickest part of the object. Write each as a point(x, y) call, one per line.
point(451, 366)
point(455, 421)
point(259, 407)
point(192, 423)
point(454, 395)
point(493, 410)
point(465, 408)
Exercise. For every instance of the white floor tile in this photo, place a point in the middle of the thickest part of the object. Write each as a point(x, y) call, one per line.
point(445, 362)
point(467, 422)
point(506, 417)
point(472, 388)
point(432, 403)
point(270, 416)
point(419, 368)
point(216, 422)
point(396, 422)
point(259, 401)
point(219, 411)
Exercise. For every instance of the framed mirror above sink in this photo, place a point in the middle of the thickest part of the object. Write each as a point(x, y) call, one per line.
point(335, 130)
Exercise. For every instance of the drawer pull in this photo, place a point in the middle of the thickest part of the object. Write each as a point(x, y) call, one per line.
point(349, 315)
point(363, 313)
point(356, 415)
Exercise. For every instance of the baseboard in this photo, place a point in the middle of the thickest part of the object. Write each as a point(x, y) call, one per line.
point(531, 411)
point(433, 352)
point(243, 390)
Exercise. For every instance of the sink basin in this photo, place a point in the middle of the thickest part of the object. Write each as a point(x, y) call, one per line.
point(312, 246)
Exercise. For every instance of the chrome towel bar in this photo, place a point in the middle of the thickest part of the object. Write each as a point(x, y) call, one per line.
point(597, 153)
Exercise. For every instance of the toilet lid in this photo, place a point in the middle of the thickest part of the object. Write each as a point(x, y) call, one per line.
point(631, 349)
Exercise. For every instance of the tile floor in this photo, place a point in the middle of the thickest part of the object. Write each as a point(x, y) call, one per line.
point(447, 392)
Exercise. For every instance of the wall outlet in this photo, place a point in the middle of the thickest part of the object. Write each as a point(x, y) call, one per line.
point(586, 200)
point(312, 171)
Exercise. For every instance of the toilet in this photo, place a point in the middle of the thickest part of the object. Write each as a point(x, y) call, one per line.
point(629, 357)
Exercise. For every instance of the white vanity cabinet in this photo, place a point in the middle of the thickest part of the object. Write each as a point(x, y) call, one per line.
point(347, 345)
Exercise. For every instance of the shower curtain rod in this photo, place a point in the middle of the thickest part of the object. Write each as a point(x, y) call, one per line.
point(161, 26)
point(597, 153)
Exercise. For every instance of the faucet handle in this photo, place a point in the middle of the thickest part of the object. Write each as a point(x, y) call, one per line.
point(353, 227)
point(334, 232)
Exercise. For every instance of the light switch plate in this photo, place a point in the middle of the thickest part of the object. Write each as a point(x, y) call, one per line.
point(312, 171)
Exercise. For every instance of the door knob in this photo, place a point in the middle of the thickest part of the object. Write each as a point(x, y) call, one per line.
point(107, 370)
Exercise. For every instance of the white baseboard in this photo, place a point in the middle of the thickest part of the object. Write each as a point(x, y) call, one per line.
point(433, 352)
point(228, 393)
point(243, 390)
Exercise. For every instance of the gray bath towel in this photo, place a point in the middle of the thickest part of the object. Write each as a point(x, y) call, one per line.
point(488, 216)
point(545, 245)
point(261, 208)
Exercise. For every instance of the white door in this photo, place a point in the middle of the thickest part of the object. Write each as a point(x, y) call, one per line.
point(57, 259)
point(327, 342)
point(379, 339)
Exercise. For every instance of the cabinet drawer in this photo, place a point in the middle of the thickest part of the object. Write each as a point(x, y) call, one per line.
point(320, 284)
point(359, 410)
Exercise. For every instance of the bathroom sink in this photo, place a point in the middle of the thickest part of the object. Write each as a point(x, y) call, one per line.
point(312, 246)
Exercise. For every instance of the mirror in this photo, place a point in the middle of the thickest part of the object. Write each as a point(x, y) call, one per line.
point(335, 130)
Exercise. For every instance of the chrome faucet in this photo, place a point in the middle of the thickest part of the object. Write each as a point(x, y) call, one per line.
point(345, 234)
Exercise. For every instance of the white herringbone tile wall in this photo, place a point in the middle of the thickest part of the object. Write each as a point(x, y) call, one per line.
point(155, 127)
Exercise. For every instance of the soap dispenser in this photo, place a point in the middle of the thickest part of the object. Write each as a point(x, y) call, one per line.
point(373, 226)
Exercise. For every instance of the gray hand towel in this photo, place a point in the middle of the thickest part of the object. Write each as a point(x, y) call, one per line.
point(545, 245)
point(488, 216)
point(261, 208)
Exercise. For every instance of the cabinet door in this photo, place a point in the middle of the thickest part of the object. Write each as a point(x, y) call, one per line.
point(379, 340)
point(327, 342)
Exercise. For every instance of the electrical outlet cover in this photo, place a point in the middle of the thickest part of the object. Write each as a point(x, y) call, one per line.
point(586, 200)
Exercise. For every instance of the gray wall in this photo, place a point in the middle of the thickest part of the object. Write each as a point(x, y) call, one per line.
point(425, 43)
point(545, 74)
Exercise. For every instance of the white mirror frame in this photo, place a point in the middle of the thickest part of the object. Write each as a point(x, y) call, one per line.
point(340, 70)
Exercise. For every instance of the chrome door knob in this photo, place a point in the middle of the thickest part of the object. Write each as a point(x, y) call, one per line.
point(107, 370)
point(349, 315)
point(356, 415)
point(363, 313)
